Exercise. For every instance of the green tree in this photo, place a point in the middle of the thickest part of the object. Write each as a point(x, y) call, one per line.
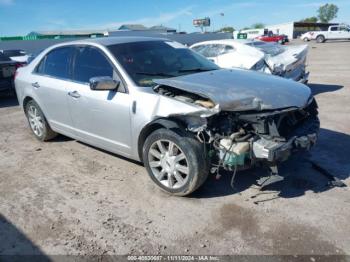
point(258, 26)
point(327, 12)
point(227, 29)
point(312, 19)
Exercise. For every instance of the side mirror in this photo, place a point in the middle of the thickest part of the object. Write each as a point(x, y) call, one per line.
point(103, 83)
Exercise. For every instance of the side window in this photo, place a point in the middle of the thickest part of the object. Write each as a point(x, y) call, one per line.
point(56, 63)
point(334, 28)
point(90, 62)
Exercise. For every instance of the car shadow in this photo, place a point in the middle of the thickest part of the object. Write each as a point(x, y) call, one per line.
point(331, 153)
point(16, 246)
point(323, 88)
point(8, 101)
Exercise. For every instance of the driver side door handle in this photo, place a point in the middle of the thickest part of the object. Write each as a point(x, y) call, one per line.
point(74, 94)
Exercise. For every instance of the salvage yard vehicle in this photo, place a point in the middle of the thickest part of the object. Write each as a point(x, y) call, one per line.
point(308, 36)
point(156, 101)
point(7, 72)
point(335, 32)
point(16, 55)
point(270, 58)
point(271, 37)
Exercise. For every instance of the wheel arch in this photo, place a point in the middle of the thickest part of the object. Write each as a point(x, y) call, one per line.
point(168, 123)
point(26, 100)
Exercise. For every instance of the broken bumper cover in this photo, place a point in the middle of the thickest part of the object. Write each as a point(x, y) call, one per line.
point(280, 151)
point(277, 151)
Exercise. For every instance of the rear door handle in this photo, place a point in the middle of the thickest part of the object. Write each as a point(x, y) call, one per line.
point(74, 94)
point(36, 85)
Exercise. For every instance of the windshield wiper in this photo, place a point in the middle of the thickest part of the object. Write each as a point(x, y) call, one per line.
point(155, 74)
point(195, 70)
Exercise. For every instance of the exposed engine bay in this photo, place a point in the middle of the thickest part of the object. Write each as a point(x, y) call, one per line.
point(239, 140)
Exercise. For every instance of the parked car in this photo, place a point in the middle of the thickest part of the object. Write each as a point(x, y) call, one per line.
point(16, 55)
point(156, 101)
point(335, 32)
point(7, 72)
point(308, 36)
point(270, 58)
point(271, 37)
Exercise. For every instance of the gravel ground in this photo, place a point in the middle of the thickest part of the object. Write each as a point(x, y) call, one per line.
point(65, 197)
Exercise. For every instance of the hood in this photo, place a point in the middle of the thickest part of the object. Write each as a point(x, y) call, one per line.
point(240, 90)
point(291, 57)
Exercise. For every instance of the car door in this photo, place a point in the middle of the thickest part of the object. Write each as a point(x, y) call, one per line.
point(334, 32)
point(49, 85)
point(100, 117)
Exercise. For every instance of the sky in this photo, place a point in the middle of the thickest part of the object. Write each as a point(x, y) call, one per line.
point(19, 17)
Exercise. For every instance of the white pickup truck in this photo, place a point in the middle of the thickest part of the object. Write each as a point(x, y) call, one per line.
point(335, 32)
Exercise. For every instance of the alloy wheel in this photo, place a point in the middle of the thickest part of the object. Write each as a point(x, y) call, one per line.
point(168, 163)
point(35, 121)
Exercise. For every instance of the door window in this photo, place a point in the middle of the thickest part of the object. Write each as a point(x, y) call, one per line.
point(56, 63)
point(90, 62)
point(334, 28)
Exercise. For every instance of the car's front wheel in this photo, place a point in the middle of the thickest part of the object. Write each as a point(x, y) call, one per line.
point(37, 122)
point(175, 161)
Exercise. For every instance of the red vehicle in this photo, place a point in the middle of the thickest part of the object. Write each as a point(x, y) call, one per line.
point(270, 37)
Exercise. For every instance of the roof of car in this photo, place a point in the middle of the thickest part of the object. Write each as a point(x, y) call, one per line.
point(107, 41)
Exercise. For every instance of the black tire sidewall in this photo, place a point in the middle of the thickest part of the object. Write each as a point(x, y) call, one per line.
point(194, 153)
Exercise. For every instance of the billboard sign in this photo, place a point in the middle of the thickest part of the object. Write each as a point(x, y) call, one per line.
point(205, 22)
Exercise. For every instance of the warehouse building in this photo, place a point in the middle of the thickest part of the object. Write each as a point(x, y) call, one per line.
point(295, 29)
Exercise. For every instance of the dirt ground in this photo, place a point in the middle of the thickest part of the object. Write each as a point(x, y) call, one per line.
point(64, 197)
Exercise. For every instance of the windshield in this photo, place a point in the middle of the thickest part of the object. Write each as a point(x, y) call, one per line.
point(148, 60)
point(271, 49)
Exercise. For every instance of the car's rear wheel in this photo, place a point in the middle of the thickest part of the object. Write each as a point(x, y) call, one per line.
point(175, 161)
point(37, 122)
point(305, 39)
point(320, 39)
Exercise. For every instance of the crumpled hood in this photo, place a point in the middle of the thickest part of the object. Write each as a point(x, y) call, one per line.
point(290, 58)
point(239, 90)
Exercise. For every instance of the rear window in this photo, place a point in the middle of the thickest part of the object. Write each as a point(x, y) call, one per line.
point(271, 49)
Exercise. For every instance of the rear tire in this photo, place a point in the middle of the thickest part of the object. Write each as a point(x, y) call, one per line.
point(175, 161)
point(38, 123)
point(320, 39)
point(306, 39)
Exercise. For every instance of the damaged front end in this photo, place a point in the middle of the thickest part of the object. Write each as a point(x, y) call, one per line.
point(237, 140)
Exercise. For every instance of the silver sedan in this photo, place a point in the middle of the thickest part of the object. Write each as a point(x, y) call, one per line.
point(156, 101)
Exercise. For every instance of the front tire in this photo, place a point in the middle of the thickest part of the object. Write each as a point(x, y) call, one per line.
point(175, 161)
point(37, 122)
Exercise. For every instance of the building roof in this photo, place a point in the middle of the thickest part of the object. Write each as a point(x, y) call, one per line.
point(133, 27)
